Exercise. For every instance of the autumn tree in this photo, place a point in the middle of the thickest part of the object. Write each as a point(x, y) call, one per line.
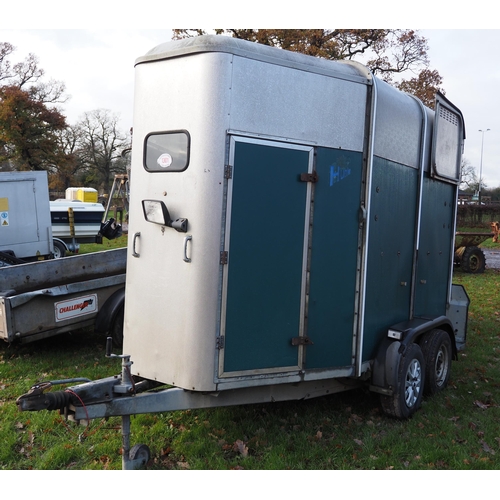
point(28, 131)
point(424, 86)
point(29, 119)
point(101, 145)
point(388, 53)
point(28, 76)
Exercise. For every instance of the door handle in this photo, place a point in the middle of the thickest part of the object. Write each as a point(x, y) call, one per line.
point(134, 253)
point(186, 239)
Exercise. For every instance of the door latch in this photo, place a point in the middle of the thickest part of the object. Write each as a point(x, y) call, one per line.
point(302, 341)
point(309, 177)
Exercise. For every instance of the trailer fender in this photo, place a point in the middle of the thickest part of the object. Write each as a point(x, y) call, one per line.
point(385, 367)
point(60, 248)
point(386, 364)
point(413, 335)
point(109, 311)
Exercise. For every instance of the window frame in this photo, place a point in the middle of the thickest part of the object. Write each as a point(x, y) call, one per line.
point(159, 169)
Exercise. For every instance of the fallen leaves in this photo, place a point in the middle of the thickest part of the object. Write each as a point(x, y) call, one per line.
point(486, 447)
point(241, 448)
point(481, 405)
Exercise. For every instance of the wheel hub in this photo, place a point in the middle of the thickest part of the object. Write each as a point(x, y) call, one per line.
point(441, 366)
point(413, 383)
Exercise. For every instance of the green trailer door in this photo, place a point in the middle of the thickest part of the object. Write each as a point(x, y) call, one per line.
point(263, 291)
point(391, 249)
point(334, 256)
point(435, 254)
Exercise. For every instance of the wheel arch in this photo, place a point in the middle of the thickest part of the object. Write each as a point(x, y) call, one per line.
point(441, 323)
point(62, 242)
point(385, 367)
point(106, 316)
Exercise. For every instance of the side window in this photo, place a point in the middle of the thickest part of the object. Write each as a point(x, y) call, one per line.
point(447, 146)
point(167, 151)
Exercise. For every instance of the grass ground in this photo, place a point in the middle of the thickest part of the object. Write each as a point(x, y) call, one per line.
point(105, 245)
point(456, 429)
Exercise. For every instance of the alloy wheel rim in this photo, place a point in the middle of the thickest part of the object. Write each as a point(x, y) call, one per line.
point(413, 383)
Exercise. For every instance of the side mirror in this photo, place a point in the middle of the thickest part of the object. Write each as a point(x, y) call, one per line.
point(156, 212)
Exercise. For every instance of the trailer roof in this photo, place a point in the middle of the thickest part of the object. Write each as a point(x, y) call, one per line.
point(347, 70)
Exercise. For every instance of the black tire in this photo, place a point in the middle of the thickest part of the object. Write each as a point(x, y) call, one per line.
point(117, 328)
point(141, 454)
point(437, 350)
point(59, 250)
point(473, 260)
point(411, 379)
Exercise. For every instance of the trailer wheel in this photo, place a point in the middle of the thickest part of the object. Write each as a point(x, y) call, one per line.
point(140, 455)
point(117, 328)
point(437, 351)
point(59, 250)
point(407, 397)
point(473, 260)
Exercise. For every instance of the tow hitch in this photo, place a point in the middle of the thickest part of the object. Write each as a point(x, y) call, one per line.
point(71, 399)
point(36, 399)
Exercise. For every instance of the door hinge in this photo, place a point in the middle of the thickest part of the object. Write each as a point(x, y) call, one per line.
point(223, 257)
point(307, 177)
point(228, 172)
point(302, 341)
point(219, 342)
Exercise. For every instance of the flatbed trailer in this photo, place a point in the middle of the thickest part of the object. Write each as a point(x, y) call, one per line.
point(46, 298)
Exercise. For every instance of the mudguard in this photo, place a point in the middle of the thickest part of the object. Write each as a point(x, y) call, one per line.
point(386, 365)
point(108, 311)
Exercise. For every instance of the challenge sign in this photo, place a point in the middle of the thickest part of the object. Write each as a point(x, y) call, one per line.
point(80, 306)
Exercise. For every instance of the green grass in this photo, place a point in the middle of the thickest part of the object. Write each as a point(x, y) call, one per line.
point(105, 245)
point(456, 429)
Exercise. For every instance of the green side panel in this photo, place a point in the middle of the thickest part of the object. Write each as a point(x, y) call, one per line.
point(334, 258)
point(390, 250)
point(435, 250)
point(265, 257)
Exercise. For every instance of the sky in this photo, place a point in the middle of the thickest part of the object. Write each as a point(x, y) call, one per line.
point(97, 66)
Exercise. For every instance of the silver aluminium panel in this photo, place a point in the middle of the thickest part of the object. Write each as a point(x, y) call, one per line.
point(398, 126)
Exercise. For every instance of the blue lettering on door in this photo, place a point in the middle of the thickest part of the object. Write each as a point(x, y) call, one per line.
point(338, 173)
